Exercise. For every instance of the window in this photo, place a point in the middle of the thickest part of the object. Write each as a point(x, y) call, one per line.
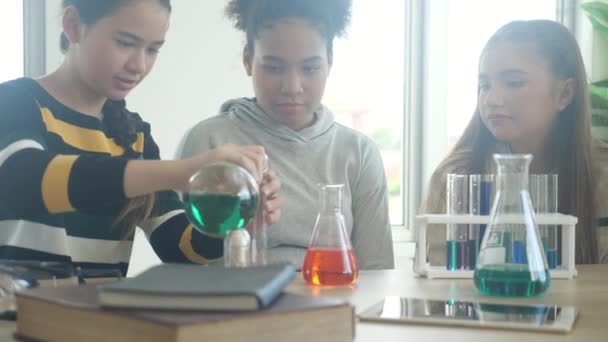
point(11, 36)
point(413, 90)
point(365, 89)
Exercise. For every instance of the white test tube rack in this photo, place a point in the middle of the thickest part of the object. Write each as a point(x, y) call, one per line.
point(565, 270)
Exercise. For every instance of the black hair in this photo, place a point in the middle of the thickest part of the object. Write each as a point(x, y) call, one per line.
point(331, 17)
point(120, 124)
point(91, 11)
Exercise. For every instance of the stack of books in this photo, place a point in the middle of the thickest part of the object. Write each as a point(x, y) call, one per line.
point(182, 303)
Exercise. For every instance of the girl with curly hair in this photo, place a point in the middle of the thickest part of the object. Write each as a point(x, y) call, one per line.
point(289, 54)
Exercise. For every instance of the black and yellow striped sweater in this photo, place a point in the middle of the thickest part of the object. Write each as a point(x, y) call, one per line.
point(61, 188)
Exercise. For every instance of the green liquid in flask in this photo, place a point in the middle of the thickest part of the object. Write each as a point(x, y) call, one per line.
point(216, 214)
point(510, 280)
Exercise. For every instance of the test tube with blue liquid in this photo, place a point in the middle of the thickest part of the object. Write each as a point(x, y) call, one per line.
point(539, 197)
point(544, 196)
point(537, 188)
point(481, 194)
point(457, 249)
point(549, 234)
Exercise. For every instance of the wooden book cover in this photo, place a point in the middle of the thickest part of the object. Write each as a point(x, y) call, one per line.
point(74, 314)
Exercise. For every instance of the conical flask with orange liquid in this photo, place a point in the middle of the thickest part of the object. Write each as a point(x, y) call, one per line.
point(329, 259)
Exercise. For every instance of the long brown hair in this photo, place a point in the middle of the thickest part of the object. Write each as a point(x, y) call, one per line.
point(123, 126)
point(568, 150)
point(120, 124)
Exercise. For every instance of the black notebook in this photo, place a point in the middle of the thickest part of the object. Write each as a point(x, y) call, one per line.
point(195, 287)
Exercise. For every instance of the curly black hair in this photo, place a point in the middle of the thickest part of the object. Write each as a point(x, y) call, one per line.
point(331, 17)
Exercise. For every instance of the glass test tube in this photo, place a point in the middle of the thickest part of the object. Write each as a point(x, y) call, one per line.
point(259, 239)
point(538, 190)
point(550, 234)
point(457, 234)
point(481, 195)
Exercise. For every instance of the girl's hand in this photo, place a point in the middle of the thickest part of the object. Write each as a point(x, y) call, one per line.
point(270, 187)
point(146, 176)
point(252, 158)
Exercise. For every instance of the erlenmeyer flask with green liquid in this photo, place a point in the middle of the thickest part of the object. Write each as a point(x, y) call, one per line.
point(511, 261)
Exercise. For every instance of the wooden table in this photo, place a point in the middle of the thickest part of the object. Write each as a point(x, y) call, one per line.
point(589, 291)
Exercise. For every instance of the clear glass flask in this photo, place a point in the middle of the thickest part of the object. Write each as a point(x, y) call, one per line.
point(221, 199)
point(259, 235)
point(329, 259)
point(511, 259)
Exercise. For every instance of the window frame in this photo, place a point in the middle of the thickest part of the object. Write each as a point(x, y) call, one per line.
point(412, 132)
point(424, 116)
point(34, 42)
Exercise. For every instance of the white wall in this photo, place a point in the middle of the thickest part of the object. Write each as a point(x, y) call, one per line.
point(198, 68)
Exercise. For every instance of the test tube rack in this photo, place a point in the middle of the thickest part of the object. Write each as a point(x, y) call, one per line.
point(566, 270)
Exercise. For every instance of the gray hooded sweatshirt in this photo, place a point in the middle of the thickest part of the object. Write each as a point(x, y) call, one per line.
point(325, 152)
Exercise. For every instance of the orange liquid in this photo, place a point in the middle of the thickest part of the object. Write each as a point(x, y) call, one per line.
point(330, 266)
